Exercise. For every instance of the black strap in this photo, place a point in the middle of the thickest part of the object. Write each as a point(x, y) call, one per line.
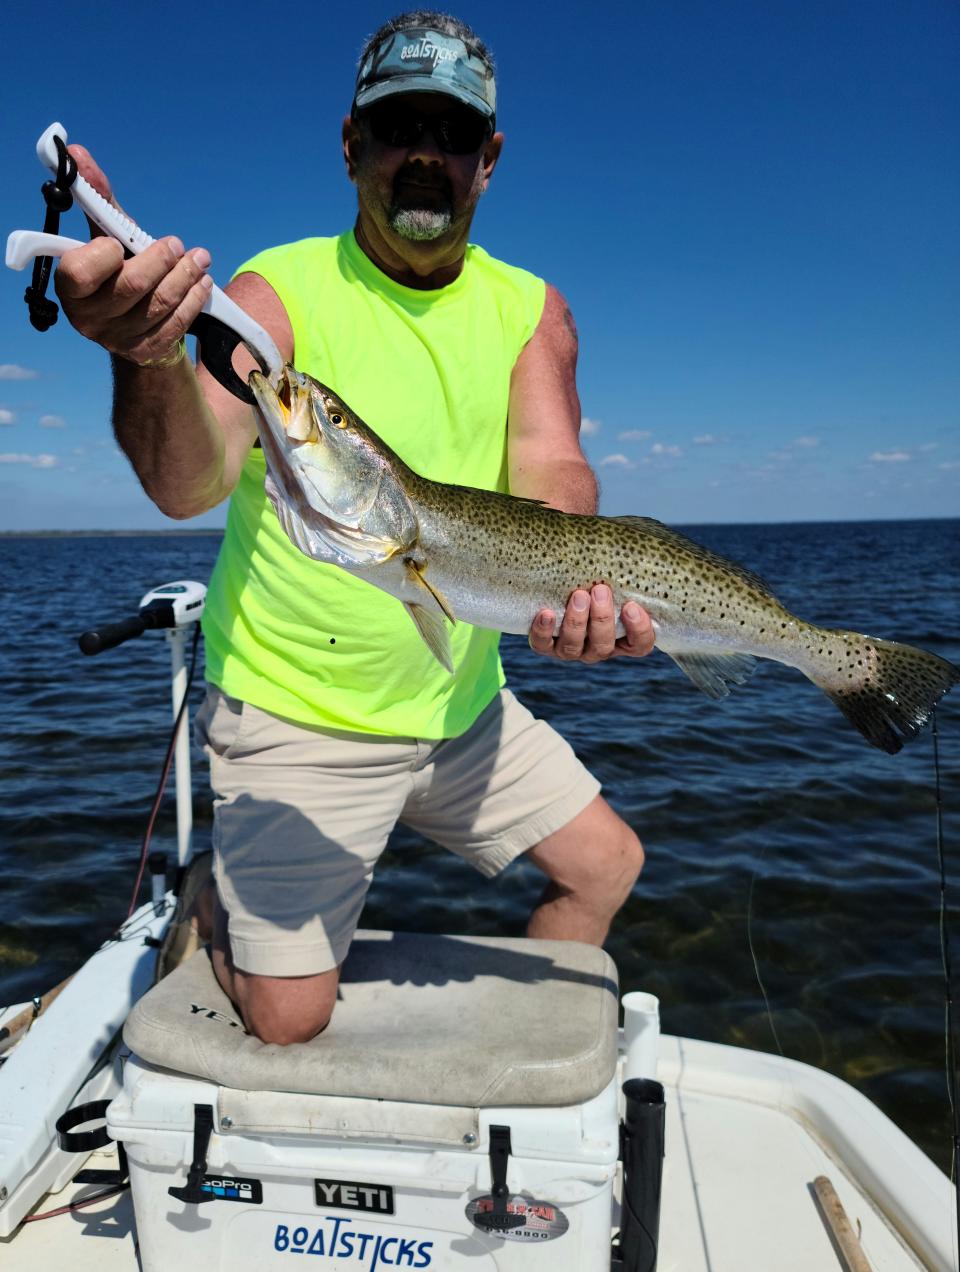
point(499, 1218)
point(56, 193)
point(73, 1141)
point(193, 1192)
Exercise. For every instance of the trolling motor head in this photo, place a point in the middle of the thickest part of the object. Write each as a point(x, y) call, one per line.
point(171, 605)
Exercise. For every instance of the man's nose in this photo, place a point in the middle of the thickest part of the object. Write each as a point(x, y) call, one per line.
point(425, 148)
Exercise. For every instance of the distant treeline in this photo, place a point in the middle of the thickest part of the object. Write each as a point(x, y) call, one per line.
point(105, 534)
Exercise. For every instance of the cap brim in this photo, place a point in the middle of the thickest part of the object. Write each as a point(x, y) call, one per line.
point(421, 84)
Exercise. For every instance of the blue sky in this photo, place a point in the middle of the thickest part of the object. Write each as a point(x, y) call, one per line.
point(751, 206)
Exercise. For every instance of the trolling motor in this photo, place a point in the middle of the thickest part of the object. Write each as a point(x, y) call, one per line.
point(173, 607)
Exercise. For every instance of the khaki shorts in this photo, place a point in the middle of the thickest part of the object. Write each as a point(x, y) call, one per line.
point(301, 816)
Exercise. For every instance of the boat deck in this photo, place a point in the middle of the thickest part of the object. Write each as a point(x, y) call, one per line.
point(746, 1136)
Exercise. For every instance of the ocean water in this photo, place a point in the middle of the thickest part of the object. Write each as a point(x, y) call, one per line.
point(767, 820)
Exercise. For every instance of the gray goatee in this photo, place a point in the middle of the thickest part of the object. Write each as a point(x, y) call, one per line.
point(420, 224)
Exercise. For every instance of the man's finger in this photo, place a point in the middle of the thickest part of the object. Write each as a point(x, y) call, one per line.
point(90, 170)
point(171, 290)
point(84, 270)
point(573, 629)
point(602, 624)
point(541, 632)
point(160, 340)
point(639, 637)
point(93, 174)
point(141, 275)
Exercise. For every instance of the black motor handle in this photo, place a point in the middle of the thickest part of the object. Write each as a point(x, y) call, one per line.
point(159, 613)
point(109, 635)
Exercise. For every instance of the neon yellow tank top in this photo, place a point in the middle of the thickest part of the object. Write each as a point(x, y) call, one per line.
point(429, 371)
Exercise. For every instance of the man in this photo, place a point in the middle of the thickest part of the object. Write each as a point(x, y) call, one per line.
point(328, 720)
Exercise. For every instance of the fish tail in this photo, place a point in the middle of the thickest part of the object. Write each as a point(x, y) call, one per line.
point(886, 690)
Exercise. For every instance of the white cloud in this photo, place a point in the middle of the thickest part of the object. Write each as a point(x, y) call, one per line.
point(35, 461)
point(658, 448)
point(6, 417)
point(707, 439)
point(10, 371)
point(927, 447)
point(52, 421)
point(889, 457)
point(806, 442)
point(949, 465)
point(589, 427)
point(634, 435)
point(619, 461)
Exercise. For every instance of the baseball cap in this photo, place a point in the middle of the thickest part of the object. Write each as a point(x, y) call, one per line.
point(420, 60)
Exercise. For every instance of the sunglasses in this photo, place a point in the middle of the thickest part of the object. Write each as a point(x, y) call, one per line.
point(458, 131)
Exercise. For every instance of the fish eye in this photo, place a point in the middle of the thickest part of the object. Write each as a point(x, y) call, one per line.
point(336, 419)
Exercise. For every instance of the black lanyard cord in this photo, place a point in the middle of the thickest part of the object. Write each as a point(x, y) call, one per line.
point(56, 193)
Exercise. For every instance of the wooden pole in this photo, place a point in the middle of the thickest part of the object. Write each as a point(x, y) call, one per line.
point(846, 1240)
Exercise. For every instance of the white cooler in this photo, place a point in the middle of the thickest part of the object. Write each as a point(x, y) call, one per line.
point(460, 1112)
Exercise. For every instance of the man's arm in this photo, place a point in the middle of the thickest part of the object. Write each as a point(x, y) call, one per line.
point(545, 462)
point(184, 434)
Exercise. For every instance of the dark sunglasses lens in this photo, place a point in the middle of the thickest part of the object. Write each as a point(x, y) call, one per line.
point(460, 132)
point(392, 127)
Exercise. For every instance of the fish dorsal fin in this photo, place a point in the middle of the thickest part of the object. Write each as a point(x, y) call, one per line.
point(432, 627)
point(657, 530)
point(714, 673)
point(641, 523)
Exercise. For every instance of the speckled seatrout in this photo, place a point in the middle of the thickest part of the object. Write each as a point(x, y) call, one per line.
point(451, 553)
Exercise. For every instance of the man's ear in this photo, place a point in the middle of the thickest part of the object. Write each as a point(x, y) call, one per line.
point(351, 145)
point(491, 153)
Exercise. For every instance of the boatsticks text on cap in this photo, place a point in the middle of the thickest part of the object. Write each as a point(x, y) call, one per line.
point(419, 60)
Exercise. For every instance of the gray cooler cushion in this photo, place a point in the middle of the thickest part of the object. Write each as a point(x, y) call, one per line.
point(443, 1020)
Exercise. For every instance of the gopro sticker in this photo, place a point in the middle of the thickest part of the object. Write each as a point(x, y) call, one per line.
point(230, 1188)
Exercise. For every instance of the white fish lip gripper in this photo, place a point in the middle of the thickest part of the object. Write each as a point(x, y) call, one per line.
point(219, 328)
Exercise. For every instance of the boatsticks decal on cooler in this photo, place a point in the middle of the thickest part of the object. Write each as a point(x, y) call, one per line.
point(543, 1221)
point(341, 1194)
point(337, 1238)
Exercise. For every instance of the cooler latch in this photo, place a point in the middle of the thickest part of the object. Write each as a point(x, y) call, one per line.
point(194, 1192)
point(499, 1217)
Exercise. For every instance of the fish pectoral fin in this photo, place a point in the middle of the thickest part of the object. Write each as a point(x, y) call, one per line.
point(714, 673)
point(431, 626)
point(416, 576)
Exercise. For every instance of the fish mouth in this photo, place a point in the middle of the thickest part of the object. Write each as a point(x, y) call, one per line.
point(284, 394)
point(275, 401)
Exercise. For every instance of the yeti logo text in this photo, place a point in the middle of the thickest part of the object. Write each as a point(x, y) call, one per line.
point(426, 50)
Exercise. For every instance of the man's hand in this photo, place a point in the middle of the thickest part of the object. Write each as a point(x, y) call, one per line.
point(140, 308)
point(588, 631)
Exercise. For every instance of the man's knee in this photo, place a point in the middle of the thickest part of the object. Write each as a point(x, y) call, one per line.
point(274, 1014)
point(631, 852)
point(596, 855)
point(617, 862)
point(279, 1009)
